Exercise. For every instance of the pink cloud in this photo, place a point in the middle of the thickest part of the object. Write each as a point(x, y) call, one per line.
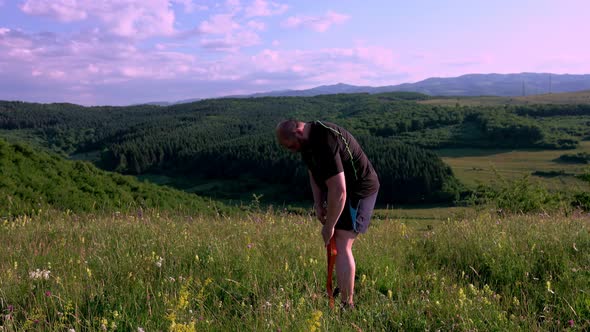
point(89, 59)
point(232, 42)
point(62, 10)
point(190, 6)
point(256, 25)
point(233, 34)
point(363, 64)
point(317, 23)
point(219, 24)
point(234, 6)
point(126, 18)
point(265, 8)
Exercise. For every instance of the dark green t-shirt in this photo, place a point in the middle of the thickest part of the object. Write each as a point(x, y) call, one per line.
point(331, 150)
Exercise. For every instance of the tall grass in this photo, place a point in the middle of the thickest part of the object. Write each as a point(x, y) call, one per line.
point(266, 271)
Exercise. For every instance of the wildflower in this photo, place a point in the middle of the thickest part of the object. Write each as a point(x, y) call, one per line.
point(515, 301)
point(389, 294)
point(472, 289)
point(314, 321)
point(250, 245)
point(462, 296)
point(39, 274)
point(71, 330)
point(159, 261)
point(140, 329)
point(549, 287)
point(571, 322)
point(48, 293)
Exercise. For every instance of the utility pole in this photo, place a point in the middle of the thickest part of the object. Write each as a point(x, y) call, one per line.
point(550, 83)
point(523, 89)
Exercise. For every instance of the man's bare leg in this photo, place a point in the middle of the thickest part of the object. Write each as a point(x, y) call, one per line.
point(345, 265)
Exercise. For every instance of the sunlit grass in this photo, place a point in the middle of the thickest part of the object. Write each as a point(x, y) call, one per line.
point(266, 271)
point(481, 166)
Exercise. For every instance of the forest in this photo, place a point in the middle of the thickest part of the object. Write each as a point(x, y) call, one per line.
point(233, 139)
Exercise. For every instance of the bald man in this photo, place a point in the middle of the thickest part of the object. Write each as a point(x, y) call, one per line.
point(344, 186)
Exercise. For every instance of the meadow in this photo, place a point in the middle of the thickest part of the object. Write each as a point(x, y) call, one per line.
point(580, 97)
point(483, 166)
point(265, 271)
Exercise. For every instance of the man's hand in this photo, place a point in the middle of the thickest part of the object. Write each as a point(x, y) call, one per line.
point(327, 233)
point(320, 212)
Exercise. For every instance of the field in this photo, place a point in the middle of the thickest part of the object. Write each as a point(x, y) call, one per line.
point(481, 166)
point(581, 97)
point(256, 271)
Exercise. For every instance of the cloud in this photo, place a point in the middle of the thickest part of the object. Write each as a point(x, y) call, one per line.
point(317, 23)
point(232, 42)
point(256, 25)
point(219, 24)
point(65, 11)
point(224, 32)
point(126, 18)
point(91, 68)
point(265, 8)
point(190, 6)
point(233, 6)
point(362, 64)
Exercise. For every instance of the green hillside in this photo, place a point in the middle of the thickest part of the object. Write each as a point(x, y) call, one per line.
point(225, 148)
point(569, 98)
point(33, 180)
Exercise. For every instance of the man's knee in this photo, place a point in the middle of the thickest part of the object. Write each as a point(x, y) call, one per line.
point(344, 239)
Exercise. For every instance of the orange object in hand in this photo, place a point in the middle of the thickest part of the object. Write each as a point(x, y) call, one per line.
point(331, 253)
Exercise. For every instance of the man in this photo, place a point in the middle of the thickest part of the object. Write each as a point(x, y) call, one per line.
point(341, 175)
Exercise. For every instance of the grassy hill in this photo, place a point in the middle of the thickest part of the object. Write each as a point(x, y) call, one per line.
point(33, 180)
point(580, 97)
point(225, 148)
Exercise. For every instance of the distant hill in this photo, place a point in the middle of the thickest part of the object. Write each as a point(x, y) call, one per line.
point(466, 85)
point(32, 180)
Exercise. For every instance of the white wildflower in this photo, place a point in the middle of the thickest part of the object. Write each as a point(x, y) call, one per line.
point(39, 274)
point(159, 261)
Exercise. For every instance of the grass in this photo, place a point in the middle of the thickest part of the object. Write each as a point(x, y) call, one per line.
point(266, 271)
point(581, 97)
point(475, 166)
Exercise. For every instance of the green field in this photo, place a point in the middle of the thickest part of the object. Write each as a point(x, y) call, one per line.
point(482, 166)
point(266, 272)
point(581, 97)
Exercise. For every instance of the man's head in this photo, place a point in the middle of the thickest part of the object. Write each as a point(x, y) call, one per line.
point(290, 134)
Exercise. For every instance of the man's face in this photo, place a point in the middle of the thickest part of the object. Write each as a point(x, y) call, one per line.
point(294, 144)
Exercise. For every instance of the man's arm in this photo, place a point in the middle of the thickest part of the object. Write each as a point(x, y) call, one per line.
point(318, 203)
point(336, 201)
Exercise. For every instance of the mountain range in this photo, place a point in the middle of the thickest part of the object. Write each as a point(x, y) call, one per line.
point(507, 85)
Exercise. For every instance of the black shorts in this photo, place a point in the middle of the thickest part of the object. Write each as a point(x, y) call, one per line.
point(356, 215)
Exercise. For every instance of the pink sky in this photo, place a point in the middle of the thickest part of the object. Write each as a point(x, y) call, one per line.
point(130, 51)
